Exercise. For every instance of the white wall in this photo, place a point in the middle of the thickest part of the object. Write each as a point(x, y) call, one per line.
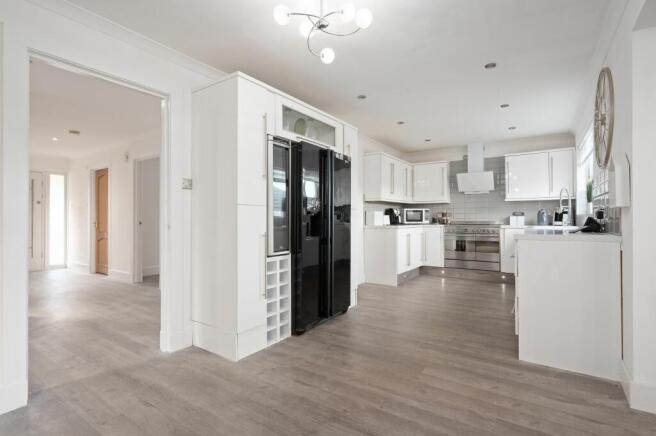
point(149, 215)
point(51, 164)
point(121, 204)
point(495, 149)
point(630, 56)
point(87, 40)
point(643, 388)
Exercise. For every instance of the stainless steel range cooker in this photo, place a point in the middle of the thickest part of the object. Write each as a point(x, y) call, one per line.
point(472, 245)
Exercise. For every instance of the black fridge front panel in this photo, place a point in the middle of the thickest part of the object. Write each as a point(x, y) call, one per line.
point(310, 236)
point(341, 235)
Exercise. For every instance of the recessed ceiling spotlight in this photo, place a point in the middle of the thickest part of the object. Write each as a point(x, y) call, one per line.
point(55, 139)
point(512, 128)
point(362, 97)
point(490, 65)
point(504, 106)
point(427, 140)
point(400, 123)
point(74, 132)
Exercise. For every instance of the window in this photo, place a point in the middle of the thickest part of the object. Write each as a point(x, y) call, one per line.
point(56, 220)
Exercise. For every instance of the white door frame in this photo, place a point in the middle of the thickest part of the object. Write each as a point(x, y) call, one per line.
point(137, 264)
point(92, 216)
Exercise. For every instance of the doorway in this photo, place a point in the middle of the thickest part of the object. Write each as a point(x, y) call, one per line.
point(146, 217)
point(37, 222)
point(101, 223)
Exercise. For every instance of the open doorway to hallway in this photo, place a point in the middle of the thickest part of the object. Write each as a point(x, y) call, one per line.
point(94, 224)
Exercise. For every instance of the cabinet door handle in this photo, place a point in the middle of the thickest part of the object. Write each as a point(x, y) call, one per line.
point(424, 250)
point(392, 178)
point(263, 260)
point(550, 175)
point(407, 238)
point(445, 181)
point(406, 183)
point(507, 178)
point(265, 123)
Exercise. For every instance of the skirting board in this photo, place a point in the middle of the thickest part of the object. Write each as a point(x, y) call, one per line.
point(215, 341)
point(177, 341)
point(150, 270)
point(79, 267)
point(13, 396)
point(640, 396)
point(119, 275)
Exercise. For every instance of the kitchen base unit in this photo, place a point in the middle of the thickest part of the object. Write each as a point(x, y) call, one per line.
point(393, 254)
point(567, 302)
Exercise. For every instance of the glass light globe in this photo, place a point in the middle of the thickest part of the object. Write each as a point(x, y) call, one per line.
point(305, 28)
point(363, 18)
point(281, 15)
point(348, 12)
point(327, 55)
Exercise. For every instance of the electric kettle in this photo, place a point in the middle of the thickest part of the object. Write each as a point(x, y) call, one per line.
point(543, 218)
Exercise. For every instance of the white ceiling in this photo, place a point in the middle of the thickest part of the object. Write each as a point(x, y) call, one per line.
point(107, 115)
point(421, 61)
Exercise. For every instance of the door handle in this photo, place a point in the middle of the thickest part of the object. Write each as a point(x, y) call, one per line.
point(262, 263)
point(407, 237)
point(265, 123)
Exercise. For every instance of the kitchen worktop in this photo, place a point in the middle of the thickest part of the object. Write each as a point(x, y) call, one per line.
point(401, 226)
point(563, 235)
point(506, 226)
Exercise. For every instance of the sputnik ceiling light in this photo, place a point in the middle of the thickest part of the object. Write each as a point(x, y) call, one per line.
point(322, 22)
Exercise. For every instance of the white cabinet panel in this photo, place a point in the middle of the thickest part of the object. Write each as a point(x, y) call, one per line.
point(431, 183)
point(403, 251)
point(251, 267)
point(350, 140)
point(527, 176)
point(299, 122)
point(255, 120)
point(417, 240)
point(401, 175)
point(433, 246)
point(561, 165)
point(508, 249)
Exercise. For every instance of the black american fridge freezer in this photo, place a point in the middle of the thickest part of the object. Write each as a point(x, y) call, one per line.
point(320, 185)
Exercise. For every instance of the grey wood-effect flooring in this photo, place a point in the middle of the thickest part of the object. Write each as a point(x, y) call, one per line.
point(434, 356)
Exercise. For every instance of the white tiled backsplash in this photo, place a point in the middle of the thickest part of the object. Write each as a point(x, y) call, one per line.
point(481, 207)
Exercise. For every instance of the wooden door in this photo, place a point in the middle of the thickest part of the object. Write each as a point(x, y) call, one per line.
point(102, 215)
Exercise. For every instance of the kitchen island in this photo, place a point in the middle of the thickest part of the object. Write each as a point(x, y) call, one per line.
point(568, 301)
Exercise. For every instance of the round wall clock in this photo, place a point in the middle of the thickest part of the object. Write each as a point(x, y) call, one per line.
point(604, 117)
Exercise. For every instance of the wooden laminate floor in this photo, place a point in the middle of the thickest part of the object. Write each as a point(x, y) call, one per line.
point(435, 356)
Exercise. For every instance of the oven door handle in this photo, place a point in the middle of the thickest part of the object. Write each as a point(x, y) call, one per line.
point(487, 238)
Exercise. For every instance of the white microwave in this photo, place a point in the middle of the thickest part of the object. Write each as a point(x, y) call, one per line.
point(416, 216)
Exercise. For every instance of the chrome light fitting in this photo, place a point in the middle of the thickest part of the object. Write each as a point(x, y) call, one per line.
point(322, 22)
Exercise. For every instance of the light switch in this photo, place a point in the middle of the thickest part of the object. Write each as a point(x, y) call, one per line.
point(186, 184)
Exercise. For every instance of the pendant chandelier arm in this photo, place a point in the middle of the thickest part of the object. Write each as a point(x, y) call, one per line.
point(315, 27)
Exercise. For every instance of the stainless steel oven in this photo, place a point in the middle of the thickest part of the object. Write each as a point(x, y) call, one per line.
point(278, 223)
point(472, 246)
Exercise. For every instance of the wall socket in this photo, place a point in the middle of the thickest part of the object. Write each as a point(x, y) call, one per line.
point(187, 184)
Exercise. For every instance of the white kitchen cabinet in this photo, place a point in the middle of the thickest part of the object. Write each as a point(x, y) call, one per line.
point(433, 246)
point(384, 178)
point(391, 251)
point(402, 182)
point(527, 176)
point(350, 140)
point(508, 249)
point(431, 183)
point(561, 168)
point(539, 175)
point(298, 122)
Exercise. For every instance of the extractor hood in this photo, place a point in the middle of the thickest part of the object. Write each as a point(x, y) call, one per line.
point(476, 180)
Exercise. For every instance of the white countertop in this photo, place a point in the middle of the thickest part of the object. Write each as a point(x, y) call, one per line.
point(561, 235)
point(506, 226)
point(401, 226)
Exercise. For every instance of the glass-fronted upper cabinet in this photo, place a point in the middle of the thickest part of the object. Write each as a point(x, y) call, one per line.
point(297, 122)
